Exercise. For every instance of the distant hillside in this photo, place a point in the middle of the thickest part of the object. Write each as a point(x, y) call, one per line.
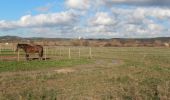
point(20, 39)
point(116, 42)
point(9, 38)
point(163, 39)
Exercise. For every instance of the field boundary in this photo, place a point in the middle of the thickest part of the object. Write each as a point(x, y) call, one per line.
point(50, 52)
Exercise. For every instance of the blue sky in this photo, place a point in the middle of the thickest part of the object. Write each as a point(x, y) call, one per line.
point(85, 18)
point(14, 9)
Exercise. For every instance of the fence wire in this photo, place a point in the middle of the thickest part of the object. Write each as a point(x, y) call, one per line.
point(49, 53)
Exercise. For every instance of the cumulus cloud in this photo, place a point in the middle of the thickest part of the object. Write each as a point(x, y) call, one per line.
point(47, 19)
point(102, 18)
point(78, 4)
point(43, 20)
point(141, 12)
point(5, 25)
point(162, 3)
point(45, 8)
point(143, 22)
point(129, 22)
point(93, 19)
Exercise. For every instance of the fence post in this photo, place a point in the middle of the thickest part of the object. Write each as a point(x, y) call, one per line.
point(90, 55)
point(143, 58)
point(69, 55)
point(55, 52)
point(79, 53)
point(18, 55)
point(14, 49)
point(45, 54)
point(0, 53)
point(60, 52)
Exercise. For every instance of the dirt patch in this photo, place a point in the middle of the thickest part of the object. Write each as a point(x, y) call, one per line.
point(65, 70)
point(115, 62)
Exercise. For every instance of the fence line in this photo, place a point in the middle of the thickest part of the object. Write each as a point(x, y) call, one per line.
point(79, 53)
point(0, 53)
point(52, 52)
point(56, 50)
point(14, 49)
point(61, 52)
point(69, 55)
point(90, 55)
point(45, 53)
point(18, 54)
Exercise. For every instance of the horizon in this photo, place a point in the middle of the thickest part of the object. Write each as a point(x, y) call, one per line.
point(82, 37)
point(95, 19)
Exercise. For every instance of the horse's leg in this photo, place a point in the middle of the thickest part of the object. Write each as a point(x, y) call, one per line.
point(40, 58)
point(27, 57)
point(40, 55)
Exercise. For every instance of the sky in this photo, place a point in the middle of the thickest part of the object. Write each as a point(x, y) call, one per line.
point(85, 18)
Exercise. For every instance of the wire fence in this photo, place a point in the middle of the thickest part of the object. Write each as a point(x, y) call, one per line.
point(50, 53)
point(76, 52)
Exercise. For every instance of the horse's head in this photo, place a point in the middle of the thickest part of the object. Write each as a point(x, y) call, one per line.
point(19, 46)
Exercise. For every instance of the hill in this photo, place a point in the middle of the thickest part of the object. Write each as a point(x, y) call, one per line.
point(117, 42)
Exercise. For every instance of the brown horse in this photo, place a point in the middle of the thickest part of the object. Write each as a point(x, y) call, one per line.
point(31, 49)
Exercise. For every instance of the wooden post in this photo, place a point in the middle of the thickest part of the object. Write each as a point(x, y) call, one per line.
point(45, 56)
point(90, 55)
point(60, 52)
point(18, 55)
point(0, 53)
point(142, 60)
point(14, 49)
point(56, 52)
point(47, 52)
point(79, 53)
point(69, 55)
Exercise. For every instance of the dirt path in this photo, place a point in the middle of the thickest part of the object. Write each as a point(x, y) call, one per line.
point(65, 70)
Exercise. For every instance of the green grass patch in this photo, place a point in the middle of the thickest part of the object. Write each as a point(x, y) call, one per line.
point(35, 65)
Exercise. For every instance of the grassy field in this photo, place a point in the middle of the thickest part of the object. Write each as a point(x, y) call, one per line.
point(13, 66)
point(113, 74)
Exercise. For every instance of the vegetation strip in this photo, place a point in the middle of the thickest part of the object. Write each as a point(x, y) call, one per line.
point(37, 65)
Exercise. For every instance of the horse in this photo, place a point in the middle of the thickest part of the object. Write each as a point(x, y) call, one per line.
point(31, 49)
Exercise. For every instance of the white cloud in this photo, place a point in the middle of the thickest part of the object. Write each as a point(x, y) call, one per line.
point(159, 13)
point(94, 19)
point(102, 18)
point(141, 12)
point(42, 20)
point(5, 25)
point(155, 27)
point(45, 8)
point(129, 22)
point(47, 19)
point(160, 3)
point(78, 4)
